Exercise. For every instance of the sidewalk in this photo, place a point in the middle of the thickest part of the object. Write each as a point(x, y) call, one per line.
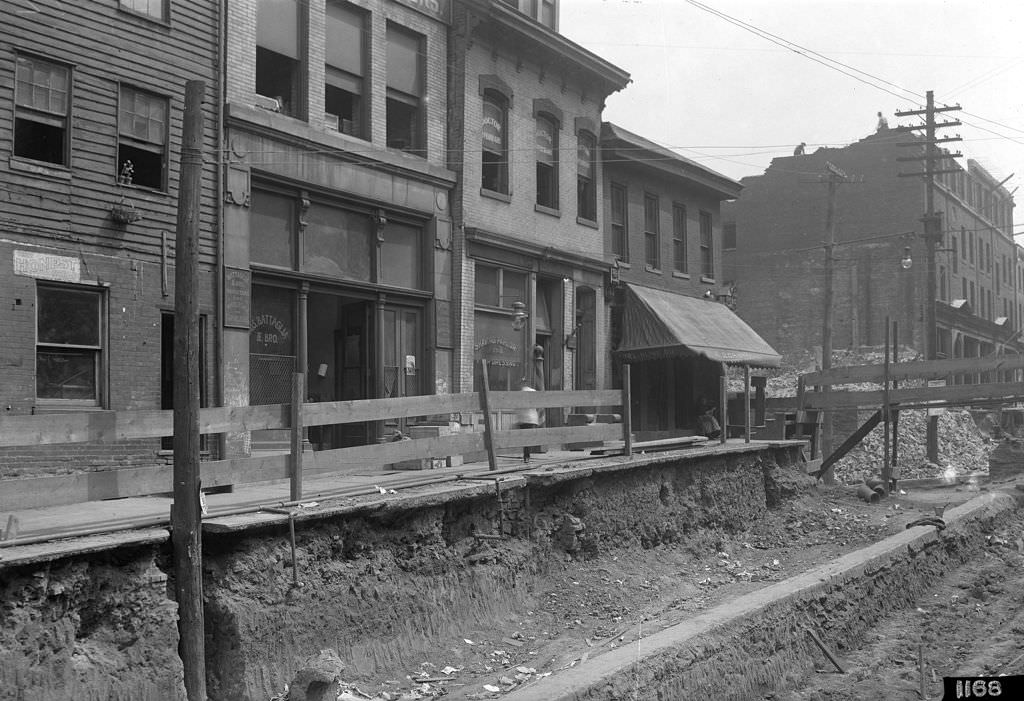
point(45, 533)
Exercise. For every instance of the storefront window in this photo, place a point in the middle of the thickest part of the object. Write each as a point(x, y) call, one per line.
point(401, 255)
point(273, 229)
point(336, 243)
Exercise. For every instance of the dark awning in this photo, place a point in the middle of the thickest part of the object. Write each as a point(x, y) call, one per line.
point(660, 324)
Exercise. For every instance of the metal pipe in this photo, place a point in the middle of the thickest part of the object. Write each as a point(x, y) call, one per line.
point(868, 494)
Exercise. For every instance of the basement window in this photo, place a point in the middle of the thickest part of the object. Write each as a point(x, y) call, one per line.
point(142, 139)
point(42, 105)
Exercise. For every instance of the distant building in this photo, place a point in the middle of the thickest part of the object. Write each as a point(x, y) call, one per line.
point(775, 256)
point(669, 313)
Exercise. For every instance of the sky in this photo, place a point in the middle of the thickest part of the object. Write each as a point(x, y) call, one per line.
point(707, 83)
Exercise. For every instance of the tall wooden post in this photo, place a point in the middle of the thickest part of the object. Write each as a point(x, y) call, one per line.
point(627, 412)
point(186, 514)
point(723, 403)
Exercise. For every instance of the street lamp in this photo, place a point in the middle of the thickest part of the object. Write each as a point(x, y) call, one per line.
point(906, 261)
point(519, 319)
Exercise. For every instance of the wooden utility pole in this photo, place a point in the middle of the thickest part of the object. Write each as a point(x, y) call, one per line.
point(835, 176)
point(932, 222)
point(186, 513)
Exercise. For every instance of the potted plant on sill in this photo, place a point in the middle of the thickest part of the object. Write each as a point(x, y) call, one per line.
point(124, 211)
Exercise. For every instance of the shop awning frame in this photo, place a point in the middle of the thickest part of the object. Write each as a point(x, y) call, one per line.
point(660, 324)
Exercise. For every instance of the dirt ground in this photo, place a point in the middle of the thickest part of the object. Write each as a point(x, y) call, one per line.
point(970, 624)
point(590, 607)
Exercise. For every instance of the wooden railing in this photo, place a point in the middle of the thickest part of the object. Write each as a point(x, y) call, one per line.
point(108, 427)
point(1009, 391)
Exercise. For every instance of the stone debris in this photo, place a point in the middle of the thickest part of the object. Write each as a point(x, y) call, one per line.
point(963, 447)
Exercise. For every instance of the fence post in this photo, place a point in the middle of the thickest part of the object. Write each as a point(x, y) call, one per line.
point(485, 404)
point(298, 385)
point(746, 403)
point(627, 413)
point(723, 402)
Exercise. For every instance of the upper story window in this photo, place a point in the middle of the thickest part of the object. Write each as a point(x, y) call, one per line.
point(586, 173)
point(679, 262)
point(620, 221)
point(546, 138)
point(157, 9)
point(955, 257)
point(707, 246)
point(652, 232)
point(406, 121)
point(42, 99)
point(278, 54)
point(543, 11)
point(729, 235)
point(69, 345)
point(494, 142)
point(345, 69)
point(142, 139)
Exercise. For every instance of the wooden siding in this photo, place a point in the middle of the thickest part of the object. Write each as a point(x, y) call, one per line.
point(107, 46)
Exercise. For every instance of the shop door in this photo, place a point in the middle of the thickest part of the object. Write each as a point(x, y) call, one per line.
point(271, 357)
point(352, 350)
point(401, 355)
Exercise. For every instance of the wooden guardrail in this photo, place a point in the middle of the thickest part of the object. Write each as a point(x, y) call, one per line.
point(910, 397)
point(107, 427)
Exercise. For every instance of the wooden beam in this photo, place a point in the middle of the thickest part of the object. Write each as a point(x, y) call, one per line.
point(951, 394)
point(913, 370)
point(505, 401)
point(848, 445)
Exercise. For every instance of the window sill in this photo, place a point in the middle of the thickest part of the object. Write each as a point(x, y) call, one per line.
point(681, 276)
point(163, 22)
point(60, 406)
point(652, 269)
point(495, 195)
point(49, 170)
point(552, 211)
point(625, 264)
point(143, 190)
point(587, 222)
point(705, 278)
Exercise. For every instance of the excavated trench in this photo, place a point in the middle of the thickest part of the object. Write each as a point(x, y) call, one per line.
point(383, 581)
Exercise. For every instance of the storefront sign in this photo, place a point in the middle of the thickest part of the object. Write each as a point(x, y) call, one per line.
point(270, 335)
point(438, 9)
point(46, 266)
point(237, 287)
point(491, 129)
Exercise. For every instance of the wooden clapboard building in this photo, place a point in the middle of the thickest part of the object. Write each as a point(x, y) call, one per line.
point(91, 96)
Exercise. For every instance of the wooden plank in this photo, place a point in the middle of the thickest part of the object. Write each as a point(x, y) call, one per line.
point(344, 461)
point(852, 440)
point(327, 413)
point(952, 394)
point(517, 438)
point(913, 370)
point(485, 407)
point(508, 401)
point(777, 404)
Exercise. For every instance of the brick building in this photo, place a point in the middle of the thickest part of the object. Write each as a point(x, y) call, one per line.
point(775, 252)
point(666, 312)
point(524, 122)
point(91, 96)
point(337, 225)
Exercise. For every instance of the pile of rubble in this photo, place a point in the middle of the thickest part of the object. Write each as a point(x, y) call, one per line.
point(963, 448)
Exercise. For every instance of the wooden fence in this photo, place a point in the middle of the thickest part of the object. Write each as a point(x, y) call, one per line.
point(104, 427)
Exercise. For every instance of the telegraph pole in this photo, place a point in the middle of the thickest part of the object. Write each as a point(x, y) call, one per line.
point(186, 514)
point(932, 222)
point(835, 176)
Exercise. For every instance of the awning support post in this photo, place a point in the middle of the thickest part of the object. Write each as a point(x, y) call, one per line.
point(746, 403)
point(723, 401)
